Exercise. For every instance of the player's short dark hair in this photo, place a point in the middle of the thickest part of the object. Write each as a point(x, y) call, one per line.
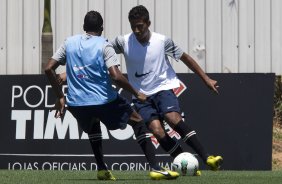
point(139, 12)
point(93, 21)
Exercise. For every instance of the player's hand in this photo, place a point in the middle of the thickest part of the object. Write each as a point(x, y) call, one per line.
point(212, 84)
point(60, 107)
point(142, 97)
point(61, 78)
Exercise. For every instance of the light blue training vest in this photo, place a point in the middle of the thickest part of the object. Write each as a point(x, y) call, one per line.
point(87, 74)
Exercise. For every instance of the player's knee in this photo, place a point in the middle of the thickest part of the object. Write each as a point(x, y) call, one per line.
point(158, 132)
point(135, 117)
point(173, 118)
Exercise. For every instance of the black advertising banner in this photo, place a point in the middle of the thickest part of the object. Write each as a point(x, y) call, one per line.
point(230, 124)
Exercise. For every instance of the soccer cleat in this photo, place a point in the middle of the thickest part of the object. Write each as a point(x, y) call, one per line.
point(198, 173)
point(163, 174)
point(214, 162)
point(105, 175)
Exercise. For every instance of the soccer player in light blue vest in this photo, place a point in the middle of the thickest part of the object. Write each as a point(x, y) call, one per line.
point(91, 64)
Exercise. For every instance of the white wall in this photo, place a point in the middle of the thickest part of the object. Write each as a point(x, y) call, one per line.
point(222, 35)
point(20, 34)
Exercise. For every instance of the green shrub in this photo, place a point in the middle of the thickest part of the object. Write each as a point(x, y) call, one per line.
point(47, 28)
point(278, 101)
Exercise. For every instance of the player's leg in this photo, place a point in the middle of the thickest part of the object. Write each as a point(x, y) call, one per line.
point(189, 136)
point(91, 126)
point(150, 114)
point(187, 133)
point(124, 114)
point(144, 140)
point(167, 143)
point(121, 113)
point(95, 138)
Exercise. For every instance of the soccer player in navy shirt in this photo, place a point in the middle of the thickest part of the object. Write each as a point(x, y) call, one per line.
point(91, 64)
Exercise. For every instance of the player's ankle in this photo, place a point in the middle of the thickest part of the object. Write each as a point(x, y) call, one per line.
point(156, 167)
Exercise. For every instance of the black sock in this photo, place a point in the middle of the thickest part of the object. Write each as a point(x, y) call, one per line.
point(170, 146)
point(143, 138)
point(95, 138)
point(189, 136)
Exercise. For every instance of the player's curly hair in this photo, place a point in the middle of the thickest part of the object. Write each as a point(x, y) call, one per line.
point(93, 22)
point(139, 12)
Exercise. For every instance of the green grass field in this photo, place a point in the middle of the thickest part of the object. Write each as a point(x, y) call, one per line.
point(131, 177)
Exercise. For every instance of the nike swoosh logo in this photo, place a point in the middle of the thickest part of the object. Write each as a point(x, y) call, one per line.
point(77, 68)
point(141, 75)
point(162, 172)
point(170, 107)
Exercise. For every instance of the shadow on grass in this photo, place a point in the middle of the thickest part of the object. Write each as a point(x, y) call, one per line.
point(121, 179)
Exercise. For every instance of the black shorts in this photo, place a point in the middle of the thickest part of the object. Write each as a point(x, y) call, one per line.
point(114, 115)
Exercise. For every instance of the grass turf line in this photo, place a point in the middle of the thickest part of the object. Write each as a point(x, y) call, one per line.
point(132, 177)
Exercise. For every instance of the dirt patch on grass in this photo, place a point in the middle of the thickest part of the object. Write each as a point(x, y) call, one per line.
point(277, 147)
point(277, 155)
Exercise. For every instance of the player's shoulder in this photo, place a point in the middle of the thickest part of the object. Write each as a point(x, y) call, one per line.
point(73, 37)
point(123, 39)
point(128, 36)
point(158, 36)
point(106, 44)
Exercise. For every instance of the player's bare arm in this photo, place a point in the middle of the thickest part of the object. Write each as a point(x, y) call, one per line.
point(121, 81)
point(192, 64)
point(50, 68)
